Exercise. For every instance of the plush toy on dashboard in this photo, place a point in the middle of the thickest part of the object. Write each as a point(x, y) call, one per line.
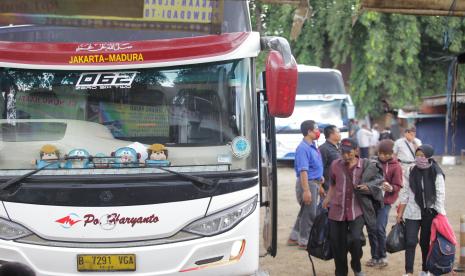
point(158, 155)
point(101, 161)
point(125, 157)
point(78, 159)
point(49, 157)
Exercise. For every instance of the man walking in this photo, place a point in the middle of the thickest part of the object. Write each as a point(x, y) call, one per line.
point(329, 152)
point(364, 141)
point(309, 171)
point(353, 181)
point(404, 150)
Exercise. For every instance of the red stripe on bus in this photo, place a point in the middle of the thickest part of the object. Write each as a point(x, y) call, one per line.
point(132, 52)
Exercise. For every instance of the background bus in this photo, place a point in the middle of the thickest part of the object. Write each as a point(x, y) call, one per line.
point(321, 96)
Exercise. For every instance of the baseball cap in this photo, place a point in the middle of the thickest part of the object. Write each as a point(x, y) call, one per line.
point(348, 144)
point(411, 129)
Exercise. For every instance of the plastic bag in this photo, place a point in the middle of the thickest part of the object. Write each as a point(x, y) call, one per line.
point(395, 241)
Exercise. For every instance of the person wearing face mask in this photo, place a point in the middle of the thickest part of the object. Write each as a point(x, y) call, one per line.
point(309, 172)
point(420, 201)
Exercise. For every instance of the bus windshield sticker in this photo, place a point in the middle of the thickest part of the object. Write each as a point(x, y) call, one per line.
point(106, 58)
point(240, 147)
point(105, 80)
point(103, 47)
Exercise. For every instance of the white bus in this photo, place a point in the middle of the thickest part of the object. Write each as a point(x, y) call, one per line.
point(81, 108)
point(321, 96)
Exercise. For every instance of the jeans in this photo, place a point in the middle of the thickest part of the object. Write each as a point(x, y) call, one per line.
point(346, 236)
point(307, 214)
point(411, 238)
point(377, 236)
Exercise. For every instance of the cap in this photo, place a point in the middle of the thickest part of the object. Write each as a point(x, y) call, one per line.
point(348, 144)
point(427, 150)
point(157, 147)
point(411, 129)
point(48, 149)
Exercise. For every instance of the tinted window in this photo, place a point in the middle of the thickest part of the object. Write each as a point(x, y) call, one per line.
point(320, 83)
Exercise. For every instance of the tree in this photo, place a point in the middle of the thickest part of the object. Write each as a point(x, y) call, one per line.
point(392, 57)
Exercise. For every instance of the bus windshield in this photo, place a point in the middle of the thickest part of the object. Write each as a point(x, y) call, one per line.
point(188, 109)
point(315, 83)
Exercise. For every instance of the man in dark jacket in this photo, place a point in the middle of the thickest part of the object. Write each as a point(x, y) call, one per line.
point(354, 181)
point(392, 184)
point(329, 152)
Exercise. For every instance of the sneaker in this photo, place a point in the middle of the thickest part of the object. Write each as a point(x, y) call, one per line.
point(382, 262)
point(371, 262)
point(424, 273)
point(291, 242)
point(302, 247)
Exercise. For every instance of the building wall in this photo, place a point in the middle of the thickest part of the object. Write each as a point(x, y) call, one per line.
point(432, 131)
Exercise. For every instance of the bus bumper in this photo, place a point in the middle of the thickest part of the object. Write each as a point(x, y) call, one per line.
point(169, 259)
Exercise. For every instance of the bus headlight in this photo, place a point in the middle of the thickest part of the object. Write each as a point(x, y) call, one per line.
point(10, 230)
point(224, 220)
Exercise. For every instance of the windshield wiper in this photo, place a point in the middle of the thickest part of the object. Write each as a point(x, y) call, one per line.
point(19, 178)
point(201, 183)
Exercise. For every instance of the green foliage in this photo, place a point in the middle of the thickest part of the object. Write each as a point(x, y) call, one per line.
point(398, 58)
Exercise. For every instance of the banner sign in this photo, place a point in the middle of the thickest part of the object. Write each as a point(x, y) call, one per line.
point(176, 15)
point(125, 120)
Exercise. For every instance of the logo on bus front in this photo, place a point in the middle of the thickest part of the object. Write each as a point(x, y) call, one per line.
point(69, 220)
point(107, 221)
point(105, 80)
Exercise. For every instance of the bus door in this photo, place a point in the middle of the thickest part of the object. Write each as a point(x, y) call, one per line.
point(268, 177)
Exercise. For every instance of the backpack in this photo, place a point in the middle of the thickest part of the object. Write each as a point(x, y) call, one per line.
point(318, 243)
point(441, 257)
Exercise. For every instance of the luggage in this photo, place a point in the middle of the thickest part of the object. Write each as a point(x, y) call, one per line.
point(441, 256)
point(395, 240)
point(318, 242)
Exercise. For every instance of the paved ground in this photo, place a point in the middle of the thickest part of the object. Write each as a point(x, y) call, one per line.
point(291, 261)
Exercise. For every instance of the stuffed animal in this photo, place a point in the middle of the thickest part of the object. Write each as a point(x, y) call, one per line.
point(78, 159)
point(157, 156)
point(100, 161)
point(48, 154)
point(125, 157)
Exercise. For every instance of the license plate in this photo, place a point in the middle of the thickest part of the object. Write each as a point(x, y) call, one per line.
point(103, 263)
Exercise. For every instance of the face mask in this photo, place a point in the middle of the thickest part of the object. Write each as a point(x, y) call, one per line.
point(317, 134)
point(422, 162)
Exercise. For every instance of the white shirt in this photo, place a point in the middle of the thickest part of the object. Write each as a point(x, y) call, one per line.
point(364, 138)
point(374, 137)
point(412, 210)
point(402, 152)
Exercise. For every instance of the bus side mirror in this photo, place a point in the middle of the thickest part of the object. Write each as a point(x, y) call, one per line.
point(281, 84)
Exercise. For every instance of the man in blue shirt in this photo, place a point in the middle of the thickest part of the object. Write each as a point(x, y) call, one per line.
point(309, 171)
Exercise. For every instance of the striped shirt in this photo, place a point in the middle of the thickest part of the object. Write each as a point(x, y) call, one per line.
point(344, 206)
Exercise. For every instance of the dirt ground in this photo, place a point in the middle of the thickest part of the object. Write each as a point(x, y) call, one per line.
point(291, 261)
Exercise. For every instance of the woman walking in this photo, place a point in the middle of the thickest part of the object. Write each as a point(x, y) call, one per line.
point(420, 202)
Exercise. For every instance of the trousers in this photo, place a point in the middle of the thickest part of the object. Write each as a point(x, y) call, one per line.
point(307, 213)
point(346, 236)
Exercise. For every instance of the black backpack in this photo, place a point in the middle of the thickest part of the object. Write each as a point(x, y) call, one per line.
point(318, 243)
